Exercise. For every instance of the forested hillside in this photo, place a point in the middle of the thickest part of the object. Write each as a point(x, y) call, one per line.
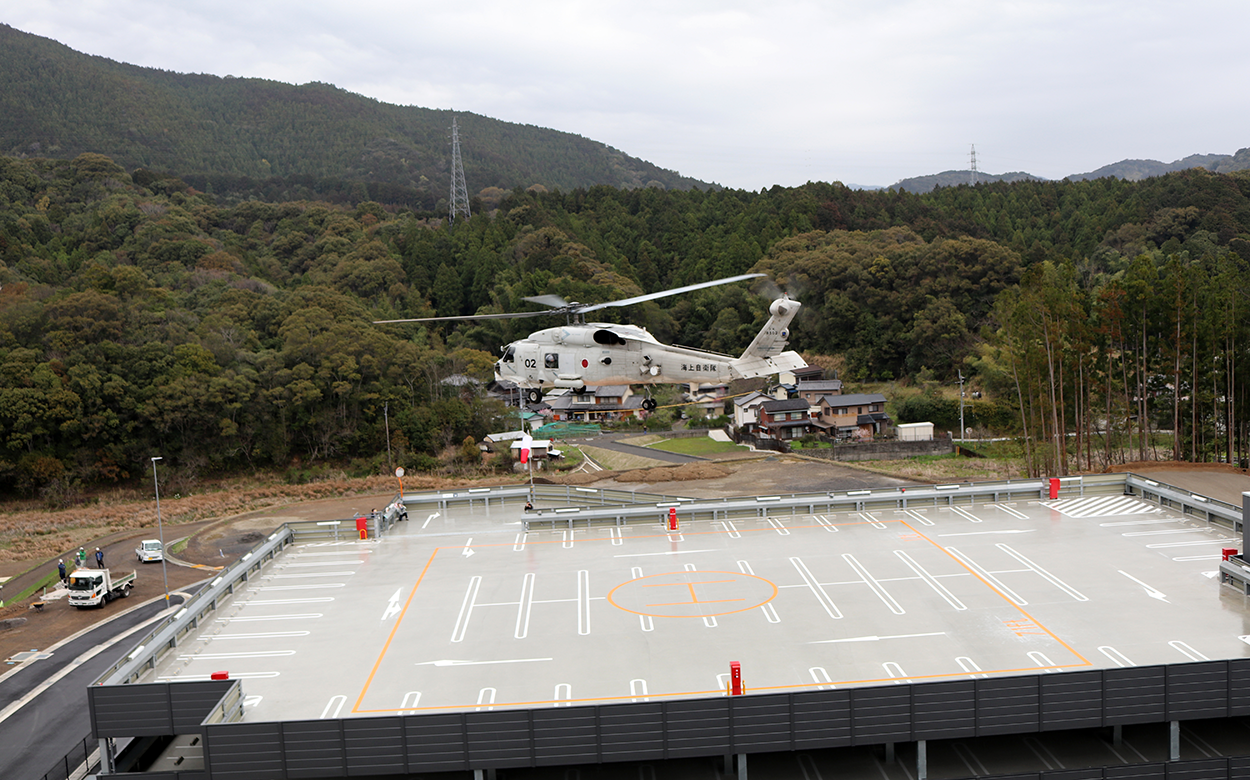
point(141, 316)
point(245, 137)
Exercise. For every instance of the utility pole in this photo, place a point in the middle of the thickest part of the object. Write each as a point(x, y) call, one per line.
point(386, 408)
point(459, 192)
point(961, 406)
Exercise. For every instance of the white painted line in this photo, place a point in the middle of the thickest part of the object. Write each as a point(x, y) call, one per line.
point(1153, 593)
point(872, 582)
point(1042, 661)
point(969, 665)
point(267, 635)
point(819, 675)
point(874, 638)
point(319, 586)
point(913, 514)
point(353, 562)
point(523, 606)
point(824, 522)
point(583, 602)
point(1220, 542)
point(668, 552)
point(468, 548)
point(1211, 557)
point(466, 607)
point(428, 519)
point(895, 671)
point(306, 576)
point(869, 517)
point(392, 604)
point(1165, 532)
point(647, 623)
point(732, 530)
point(1188, 651)
point(1118, 523)
point(638, 690)
point(985, 575)
point(676, 537)
point(615, 534)
point(333, 707)
point(1118, 658)
point(409, 705)
point(1010, 511)
point(777, 526)
point(486, 696)
point(233, 676)
point(453, 662)
point(235, 656)
point(819, 591)
point(251, 701)
point(988, 533)
point(567, 535)
point(302, 554)
point(313, 600)
point(931, 581)
point(270, 617)
point(518, 544)
point(563, 695)
point(770, 614)
point(964, 513)
point(1052, 579)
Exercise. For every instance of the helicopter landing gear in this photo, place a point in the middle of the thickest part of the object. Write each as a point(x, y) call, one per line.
point(648, 404)
point(533, 395)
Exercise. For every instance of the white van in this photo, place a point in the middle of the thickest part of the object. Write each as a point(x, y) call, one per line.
point(150, 550)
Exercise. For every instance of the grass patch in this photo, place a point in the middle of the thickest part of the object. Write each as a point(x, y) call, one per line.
point(179, 546)
point(38, 586)
point(619, 461)
point(699, 446)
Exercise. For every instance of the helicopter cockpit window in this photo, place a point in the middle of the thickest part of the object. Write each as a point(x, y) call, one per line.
point(608, 337)
point(551, 360)
point(509, 353)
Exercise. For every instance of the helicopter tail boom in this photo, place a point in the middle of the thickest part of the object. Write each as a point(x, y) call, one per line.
point(766, 353)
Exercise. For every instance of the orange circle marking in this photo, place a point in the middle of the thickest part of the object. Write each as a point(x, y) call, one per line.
point(683, 594)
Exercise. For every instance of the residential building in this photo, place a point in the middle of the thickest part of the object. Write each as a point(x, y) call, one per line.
point(860, 416)
point(747, 411)
point(788, 419)
point(608, 402)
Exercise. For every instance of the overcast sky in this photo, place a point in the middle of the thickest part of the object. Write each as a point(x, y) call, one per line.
point(747, 95)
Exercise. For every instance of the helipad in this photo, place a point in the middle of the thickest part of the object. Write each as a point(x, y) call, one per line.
point(467, 612)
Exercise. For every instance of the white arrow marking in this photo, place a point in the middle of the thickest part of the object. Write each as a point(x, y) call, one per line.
point(875, 638)
point(392, 605)
point(1151, 592)
point(468, 548)
point(428, 519)
point(450, 662)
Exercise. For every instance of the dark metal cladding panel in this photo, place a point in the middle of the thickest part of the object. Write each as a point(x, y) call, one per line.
point(1071, 700)
point(761, 723)
point(498, 739)
point(313, 748)
point(244, 751)
point(1008, 705)
point(944, 710)
point(881, 715)
point(697, 727)
point(822, 719)
point(436, 743)
point(375, 746)
point(631, 732)
point(1135, 694)
point(1197, 690)
point(129, 710)
point(1136, 772)
point(194, 701)
point(566, 735)
point(1239, 687)
point(1201, 769)
point(1026, 776)
point(1090, 773)
point(1239, 768)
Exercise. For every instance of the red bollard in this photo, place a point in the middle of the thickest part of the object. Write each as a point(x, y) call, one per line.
point(1054, 488)
point(362, 526)
point(1228, 552)
point(735, 679)
point(220, 676)
point(672, 518)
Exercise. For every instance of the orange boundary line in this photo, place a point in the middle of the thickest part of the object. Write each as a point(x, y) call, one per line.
point(715, 692)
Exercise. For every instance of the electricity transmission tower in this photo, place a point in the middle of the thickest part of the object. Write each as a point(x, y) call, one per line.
point(459, 192)
point(972, 174)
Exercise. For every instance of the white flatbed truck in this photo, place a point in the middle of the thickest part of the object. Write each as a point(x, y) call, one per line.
point(96, 587)
point(150, 550)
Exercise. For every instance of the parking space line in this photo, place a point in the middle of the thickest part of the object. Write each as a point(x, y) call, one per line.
point(1117, 658)
point(820, 676)
point(267, 635)
point(523, 607)
point(563, 696)
point(817, 589)
point(333, 707)
point(466, 608)
point(777, 526)
point(868, 516)
point(1188, 651)
point(931, 581)
point(969, 666)
point(638, 690)
point(486, 697)
point(409, 705)
point(824, 523)
point(964, 513)
point(872, 583)
point(1010, 511)
point(647, 623)
point(987, 577)
point(917, 516)
point(1052, 579)
point(895, 672)
point(583, 602)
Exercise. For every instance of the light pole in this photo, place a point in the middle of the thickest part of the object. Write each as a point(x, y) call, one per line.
point(961, 407)
point(160, 530)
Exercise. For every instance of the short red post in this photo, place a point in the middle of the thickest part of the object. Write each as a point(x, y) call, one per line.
point(672, 518)
point(362, 525)
point(735, 678)
point(1054, 488)
point(220, 675)
point(1228, 552)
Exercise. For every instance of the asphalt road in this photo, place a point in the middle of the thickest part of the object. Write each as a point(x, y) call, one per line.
point(52, 722)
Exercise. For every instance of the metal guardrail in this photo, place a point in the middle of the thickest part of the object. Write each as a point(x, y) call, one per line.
point(83, 760)
point(1188, 502)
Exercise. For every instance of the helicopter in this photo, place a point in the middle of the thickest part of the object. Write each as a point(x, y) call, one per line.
point(582, 353)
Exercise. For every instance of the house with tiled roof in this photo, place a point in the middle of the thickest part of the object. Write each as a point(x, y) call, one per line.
point(596, 404)
point(785, 419)
point(858, 416)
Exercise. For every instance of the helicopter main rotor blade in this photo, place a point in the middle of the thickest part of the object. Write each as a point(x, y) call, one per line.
point(554, 301)
point(666, 293)
point(508, 316)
